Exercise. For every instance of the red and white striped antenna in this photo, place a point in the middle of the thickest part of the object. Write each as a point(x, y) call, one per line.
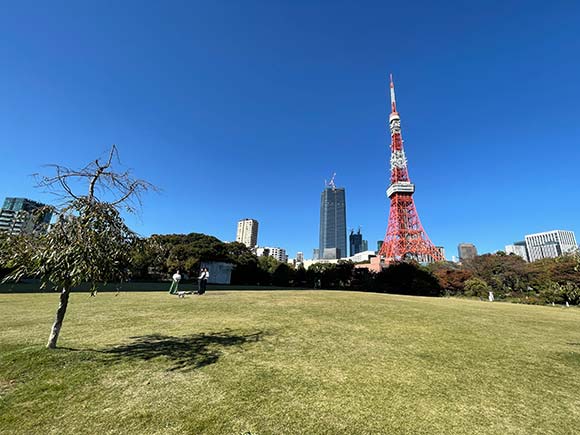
point(393, 101)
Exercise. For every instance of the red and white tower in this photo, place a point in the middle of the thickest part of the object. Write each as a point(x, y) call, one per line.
point(405, 239)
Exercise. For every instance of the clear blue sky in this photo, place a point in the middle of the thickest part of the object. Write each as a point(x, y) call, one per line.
point(241, 109)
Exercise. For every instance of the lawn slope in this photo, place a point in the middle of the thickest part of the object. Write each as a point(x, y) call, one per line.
point(288, 362)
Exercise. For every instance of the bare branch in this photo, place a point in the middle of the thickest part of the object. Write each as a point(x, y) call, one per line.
point(65, 185)
point(94, 181)
point(103, 183)
point(113, 152)
point(135, 188)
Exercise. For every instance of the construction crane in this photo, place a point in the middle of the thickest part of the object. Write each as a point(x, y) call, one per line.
point(331, 182)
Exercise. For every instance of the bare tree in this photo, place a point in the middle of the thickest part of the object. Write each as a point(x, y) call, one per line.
point(89, 242)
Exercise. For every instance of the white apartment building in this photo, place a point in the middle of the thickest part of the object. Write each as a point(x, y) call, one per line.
point(550, 244)
point(278, 253)
point(248, 232)
point(518, 248)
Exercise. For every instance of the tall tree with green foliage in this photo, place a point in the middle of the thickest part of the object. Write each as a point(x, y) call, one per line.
point(407, 279)
point(282, 275)
point(477, 287)
point(89, 242)
point(344, 273)
point(246, 264)
point(185, 252)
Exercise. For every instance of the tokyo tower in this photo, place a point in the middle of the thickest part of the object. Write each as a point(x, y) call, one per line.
point(405, 239)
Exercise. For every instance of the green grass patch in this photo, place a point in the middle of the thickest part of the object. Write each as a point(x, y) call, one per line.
point(287, 362)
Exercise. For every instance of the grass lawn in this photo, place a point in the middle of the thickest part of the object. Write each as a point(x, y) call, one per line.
point(287, 362)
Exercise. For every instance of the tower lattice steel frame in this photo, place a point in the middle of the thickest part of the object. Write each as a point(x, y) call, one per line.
point(405, 238)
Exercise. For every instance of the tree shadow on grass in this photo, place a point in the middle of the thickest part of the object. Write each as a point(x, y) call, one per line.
point(186, 352)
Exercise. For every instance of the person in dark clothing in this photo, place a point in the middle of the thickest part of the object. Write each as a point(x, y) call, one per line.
point(202, 281)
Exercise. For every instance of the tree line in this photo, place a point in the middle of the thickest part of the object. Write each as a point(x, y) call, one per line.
point(507, 276)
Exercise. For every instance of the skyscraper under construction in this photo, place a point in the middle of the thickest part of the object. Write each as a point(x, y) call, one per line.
point(332, 241)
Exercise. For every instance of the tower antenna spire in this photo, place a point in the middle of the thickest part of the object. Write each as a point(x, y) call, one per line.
point(393, 101)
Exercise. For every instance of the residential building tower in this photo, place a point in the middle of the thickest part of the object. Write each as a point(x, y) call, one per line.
point(248, 232)
point(24, 216)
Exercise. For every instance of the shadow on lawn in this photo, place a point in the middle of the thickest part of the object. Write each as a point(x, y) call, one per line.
point(187, 352)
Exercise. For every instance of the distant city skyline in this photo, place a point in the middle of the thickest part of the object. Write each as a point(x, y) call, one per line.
point(15, 217)
point(243, 110)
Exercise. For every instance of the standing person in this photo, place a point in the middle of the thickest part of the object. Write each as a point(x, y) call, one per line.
point(175, 283)
point(205, 279)
point(202, 283)
point(491, 298)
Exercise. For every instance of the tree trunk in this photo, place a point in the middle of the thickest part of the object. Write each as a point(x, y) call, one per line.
point(59, 318)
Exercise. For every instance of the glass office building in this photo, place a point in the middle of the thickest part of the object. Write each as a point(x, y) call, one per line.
point(356, 242)
point(332, 241)
point(21, 215)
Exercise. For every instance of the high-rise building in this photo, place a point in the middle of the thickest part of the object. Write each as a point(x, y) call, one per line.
point(466, 251)
point(300, 257)
point(379, 245)
point(518, 248)
point(316, 254)
point(356, 242)
point(24, 216)
point(550, 244)
point(332, 222)
point(248, 232)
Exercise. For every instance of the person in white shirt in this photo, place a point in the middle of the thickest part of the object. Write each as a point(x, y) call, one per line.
point(202, 281)
point(175, 283)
